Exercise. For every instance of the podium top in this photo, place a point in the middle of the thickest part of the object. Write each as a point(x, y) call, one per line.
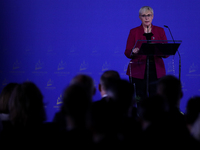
point(157, 47)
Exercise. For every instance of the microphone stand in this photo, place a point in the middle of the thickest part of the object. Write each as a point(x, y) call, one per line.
point(177, 51)
point(148, 37)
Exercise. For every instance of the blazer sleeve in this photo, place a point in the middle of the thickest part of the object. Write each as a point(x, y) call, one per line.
point(130, 44)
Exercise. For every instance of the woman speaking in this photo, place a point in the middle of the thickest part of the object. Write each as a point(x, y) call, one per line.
point(137, 68)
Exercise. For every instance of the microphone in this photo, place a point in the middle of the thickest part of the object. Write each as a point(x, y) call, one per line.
point(177, 51)
point(170, 32)
point(148, 35)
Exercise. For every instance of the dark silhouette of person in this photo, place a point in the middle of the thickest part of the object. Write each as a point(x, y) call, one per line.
point(170, 88)
point(116, 127)
point(152, 112)
point(192, 116)
point(86, 81)
point(77, 111)
point(26, 106)
point(27, 115)
point(109, 74)
point(99, 107)
point(4, 101)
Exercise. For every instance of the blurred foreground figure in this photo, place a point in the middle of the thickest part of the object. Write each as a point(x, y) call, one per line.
point(81, 79)
point(27, 116)
point(193, 117)
point(26, 106)
point(99, 108)
point(116, 128)
point(76, 110)
point(74, 119)
point(86, 81)
point(153, 117)
point(4, 101)
point(107, 75)
point(170, 88)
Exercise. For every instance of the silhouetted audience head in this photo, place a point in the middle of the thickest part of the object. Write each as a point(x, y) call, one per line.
point(170, 88)
point(26, 106)
point(5, 96)
point(76, 106)
point(193, 117)
point(107, 75)
point(192, 109)
point(86, 81)
point(80, 80)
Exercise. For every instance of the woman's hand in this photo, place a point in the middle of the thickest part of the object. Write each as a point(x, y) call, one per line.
point(135, 50)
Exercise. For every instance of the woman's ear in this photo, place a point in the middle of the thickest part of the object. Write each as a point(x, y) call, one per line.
point(140, 17)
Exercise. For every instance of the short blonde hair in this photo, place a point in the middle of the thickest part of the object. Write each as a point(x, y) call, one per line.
point(144, 9)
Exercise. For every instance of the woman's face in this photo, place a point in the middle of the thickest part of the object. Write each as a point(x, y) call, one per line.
point(146, 18)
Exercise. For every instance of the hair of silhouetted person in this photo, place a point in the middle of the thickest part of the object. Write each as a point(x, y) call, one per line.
point(192, 109)
point(86, 81)
point(26, 105)
point(76, 103)
point(5, 96)
point(170, 87)
point(109, 74)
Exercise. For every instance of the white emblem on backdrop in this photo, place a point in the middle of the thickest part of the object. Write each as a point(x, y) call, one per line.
point(39, 65)
point(193, 68)
point(105, 66)
point(49, 85)
point(83, 66)
point(58, 102)
point(62, 65)
point(16, 65)
point(193, 71)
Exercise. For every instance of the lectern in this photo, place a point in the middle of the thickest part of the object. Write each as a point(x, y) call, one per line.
point(156, 47)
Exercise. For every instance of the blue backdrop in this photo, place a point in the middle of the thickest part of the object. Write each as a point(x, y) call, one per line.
point(50, 41)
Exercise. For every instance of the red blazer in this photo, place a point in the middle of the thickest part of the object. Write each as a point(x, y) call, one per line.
point(136, 67)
